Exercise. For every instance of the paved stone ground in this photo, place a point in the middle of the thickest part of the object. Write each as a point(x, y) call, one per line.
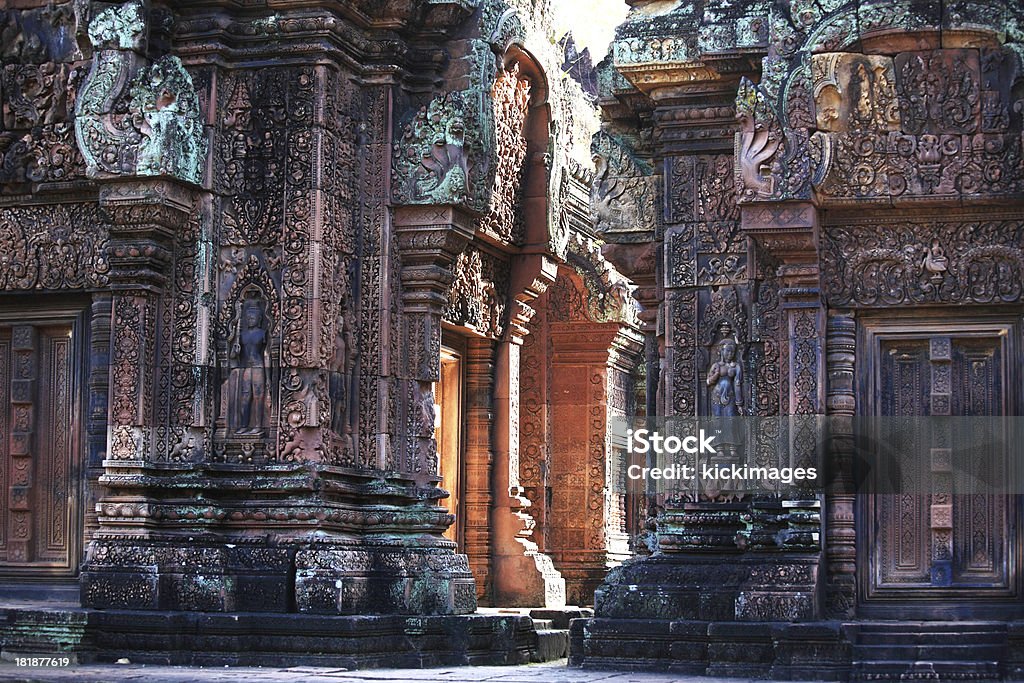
point(551, 672)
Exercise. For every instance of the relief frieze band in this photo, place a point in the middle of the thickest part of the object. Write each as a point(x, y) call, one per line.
point(922, 261)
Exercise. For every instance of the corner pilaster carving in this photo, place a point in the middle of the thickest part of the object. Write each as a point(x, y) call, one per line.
point(143, 219)
point(430, 238)
point(841, 404)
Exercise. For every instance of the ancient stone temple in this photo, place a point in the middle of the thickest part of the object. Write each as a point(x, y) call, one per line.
point(823, 203)
point(302, 313)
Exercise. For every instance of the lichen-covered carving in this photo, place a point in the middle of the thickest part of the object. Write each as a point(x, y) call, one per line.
point(440, 157)
point(622, 196)
point(133, 117)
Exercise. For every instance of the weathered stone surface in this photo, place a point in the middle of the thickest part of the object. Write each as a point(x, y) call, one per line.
point(265, 226)
point(876, 172)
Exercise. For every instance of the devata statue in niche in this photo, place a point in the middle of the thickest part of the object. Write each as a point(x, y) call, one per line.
point(342, 366)
point(249, 352)
point(726, 379)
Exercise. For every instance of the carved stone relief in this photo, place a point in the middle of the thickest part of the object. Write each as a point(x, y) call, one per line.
point(623, 196)
point(133, 117)
point(920, 124)
point(479, 293)
point(54, 246)
point(915, 261)
point(854, 92)
point(511, 95)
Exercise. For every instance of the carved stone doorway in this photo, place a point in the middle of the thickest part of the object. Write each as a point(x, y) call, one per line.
point(929, 552)
point(40, 446)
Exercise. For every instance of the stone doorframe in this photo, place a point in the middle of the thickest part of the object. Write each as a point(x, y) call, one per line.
point(467, 213)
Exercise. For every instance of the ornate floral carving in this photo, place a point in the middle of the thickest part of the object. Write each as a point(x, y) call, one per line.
point(924, 262)
point(511, 95)
point(134, 117)
point(34, 94)
point(57, 246)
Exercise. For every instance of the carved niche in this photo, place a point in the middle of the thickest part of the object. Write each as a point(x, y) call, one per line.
point(248, 326)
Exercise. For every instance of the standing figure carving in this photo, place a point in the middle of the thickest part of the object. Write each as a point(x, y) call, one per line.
point(342, 366)
point(250, 358)
point(726, 379)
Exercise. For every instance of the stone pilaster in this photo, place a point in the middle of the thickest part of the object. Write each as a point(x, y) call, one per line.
point(523, 575)
point(144, 216)
point(429, 239)
point(479, 462)
point(841, 404)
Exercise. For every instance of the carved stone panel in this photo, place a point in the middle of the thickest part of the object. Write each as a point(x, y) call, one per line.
point(939, 92)
point(854, 91)
point(55, 246)
point(923, 261)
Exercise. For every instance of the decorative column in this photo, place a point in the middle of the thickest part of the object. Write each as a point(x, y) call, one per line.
point(429, 239)
point(523, 575)
point(99, 398)
point(584, 359)
point(144, 216)
point(147, 194)
point(841, 403)
point(479, 462)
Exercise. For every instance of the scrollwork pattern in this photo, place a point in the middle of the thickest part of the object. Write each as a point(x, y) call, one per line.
point(866, 265)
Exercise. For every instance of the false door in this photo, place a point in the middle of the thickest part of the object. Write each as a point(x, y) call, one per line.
point(39, 467)
point(940, 542)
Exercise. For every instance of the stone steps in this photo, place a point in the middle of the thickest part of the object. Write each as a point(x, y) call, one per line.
point(941, 651)
point(551, 626)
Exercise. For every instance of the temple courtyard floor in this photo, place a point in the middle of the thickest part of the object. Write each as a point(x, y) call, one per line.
point(551, 672)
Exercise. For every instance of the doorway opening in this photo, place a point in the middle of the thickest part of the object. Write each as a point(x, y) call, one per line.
point(449, 417)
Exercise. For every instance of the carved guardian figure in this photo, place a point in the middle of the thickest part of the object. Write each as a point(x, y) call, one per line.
point(133, 117)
